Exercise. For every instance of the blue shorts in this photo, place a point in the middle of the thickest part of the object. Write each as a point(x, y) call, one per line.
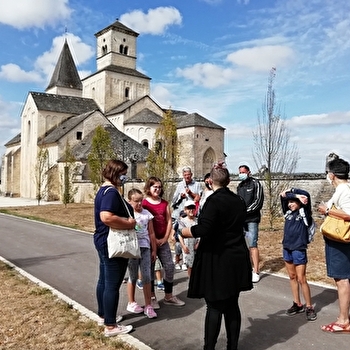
point(252, 234)
point(297, 257)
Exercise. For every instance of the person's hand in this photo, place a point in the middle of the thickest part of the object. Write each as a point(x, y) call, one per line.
point(132, 222)
point(186, 250)
point(303, 199)
point(322, 208)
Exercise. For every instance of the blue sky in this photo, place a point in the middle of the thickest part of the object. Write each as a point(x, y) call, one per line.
point(207, 56)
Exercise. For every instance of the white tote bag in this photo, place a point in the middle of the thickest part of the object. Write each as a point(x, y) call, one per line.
point(123, 243)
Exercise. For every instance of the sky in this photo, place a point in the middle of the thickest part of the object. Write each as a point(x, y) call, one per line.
point(212, 57)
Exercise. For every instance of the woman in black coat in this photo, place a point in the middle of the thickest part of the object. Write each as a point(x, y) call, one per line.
point(222, 267)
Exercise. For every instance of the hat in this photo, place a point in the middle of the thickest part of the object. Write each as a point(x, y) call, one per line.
point(189, 203)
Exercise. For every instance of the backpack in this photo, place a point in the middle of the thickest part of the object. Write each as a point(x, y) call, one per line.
point(311, 229)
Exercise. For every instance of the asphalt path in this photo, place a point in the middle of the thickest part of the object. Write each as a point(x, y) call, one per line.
point(66, 260)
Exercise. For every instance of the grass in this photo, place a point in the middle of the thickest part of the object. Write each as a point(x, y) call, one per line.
point(27, 309)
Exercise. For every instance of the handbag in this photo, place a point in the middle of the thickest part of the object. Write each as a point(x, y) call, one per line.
point(336, 229)
point(123, 243)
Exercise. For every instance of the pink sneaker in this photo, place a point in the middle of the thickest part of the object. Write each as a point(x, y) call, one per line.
point(134, 307)
point(149, 312)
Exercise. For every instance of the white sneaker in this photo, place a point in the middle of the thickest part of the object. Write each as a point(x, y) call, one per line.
point(134, 307)
point(101, 320)
point(177, 267)
point(174, 301)
point(118, 329)
point(184, 267)
point(255, 277)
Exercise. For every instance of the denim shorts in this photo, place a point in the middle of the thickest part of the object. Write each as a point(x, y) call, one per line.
point(251, 234)
point(337, 259)
point(297, 257)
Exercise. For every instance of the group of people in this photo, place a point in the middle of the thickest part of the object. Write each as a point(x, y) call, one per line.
point(218, 233)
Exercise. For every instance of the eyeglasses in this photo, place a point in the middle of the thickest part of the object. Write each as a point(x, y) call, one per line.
point(157, 187)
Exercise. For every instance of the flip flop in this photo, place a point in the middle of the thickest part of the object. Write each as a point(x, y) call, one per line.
point(335, 327)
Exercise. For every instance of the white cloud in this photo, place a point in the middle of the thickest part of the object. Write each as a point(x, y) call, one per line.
point(155, 22)
point(208, 75)
point(262, 58)
point(39, 13)
point(13, 73)
point(324, 119)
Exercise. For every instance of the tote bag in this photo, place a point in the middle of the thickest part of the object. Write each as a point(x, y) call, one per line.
point(336, 229)
point(123, 243)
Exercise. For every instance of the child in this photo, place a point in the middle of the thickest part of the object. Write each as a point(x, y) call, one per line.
point(162, 228)
point(189, 245)
point(178, 248)
point(296, 206)
point(147, 243)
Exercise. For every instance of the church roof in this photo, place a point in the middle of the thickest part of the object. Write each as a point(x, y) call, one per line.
point(126, 148)
point(58, 132)
point(121, 70)
point(63, 104)
point(118, 26)
point(146, 116)
point(65, 73)
point(184, 120)
point(125, 105)
point(14, 140)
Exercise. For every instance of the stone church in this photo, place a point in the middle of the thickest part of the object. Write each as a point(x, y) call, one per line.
point(117, 97)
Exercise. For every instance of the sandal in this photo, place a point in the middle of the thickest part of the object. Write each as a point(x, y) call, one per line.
point(335, 327)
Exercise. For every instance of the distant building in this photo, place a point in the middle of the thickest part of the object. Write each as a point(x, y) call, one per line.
point(116, 96)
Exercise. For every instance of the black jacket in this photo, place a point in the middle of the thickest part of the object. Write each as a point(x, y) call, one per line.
point(252, 192)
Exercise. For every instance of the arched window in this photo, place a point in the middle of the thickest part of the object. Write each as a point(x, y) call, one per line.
point(121, 48)
point(145, 143)
point(104, 49)
point(127, 92)
point(126, 50)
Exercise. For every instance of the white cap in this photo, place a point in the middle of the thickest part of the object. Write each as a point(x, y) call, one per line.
point(189, 203)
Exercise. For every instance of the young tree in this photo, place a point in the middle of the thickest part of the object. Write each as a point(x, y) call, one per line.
point(162, 160)
point(42, 178)
point(273, 150)
point(68, 189)
point(101, 152)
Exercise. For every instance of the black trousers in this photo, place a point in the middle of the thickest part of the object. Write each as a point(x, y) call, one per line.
point(228, 308)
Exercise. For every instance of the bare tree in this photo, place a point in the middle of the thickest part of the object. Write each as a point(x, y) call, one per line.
point(273, 150)
point(162, 160)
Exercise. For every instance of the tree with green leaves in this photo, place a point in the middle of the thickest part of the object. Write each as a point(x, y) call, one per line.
point(68, 189)
point(162, 160)
point(273, 151)
point(42, 176)
point(101, 152)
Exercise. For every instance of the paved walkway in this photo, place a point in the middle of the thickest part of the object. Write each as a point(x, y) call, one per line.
point(264, 323)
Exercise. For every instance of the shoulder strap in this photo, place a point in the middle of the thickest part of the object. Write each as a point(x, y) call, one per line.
point(122, 199)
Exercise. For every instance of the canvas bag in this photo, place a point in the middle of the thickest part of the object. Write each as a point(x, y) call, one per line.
point(336, 229)
point(123, 243)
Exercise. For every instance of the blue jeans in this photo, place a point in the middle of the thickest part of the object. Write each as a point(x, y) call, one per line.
point(111, 276)
point(252, 234)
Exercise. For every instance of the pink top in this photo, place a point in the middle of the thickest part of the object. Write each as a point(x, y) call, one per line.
point(159, 211)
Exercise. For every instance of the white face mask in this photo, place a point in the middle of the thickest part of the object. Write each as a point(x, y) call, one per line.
point(242, 176)
point(328, 179)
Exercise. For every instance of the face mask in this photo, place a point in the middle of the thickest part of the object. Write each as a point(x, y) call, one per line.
point(328, 179)
point(123, 179)
point(243, 176)
point(207, 186)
